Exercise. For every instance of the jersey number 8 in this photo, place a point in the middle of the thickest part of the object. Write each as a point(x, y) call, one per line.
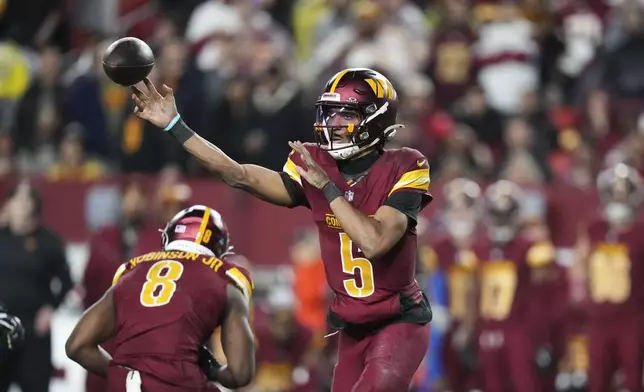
point(161, 283)
point(350, 264)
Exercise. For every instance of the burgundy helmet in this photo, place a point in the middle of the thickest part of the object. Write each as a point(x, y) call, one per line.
point(369, 103)
point(462, 207)
point(461, 193)
point(503, 209)
point(620, 191)
point(198, 225)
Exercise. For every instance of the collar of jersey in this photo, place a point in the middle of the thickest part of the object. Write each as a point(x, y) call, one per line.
point(188, 246)
point(360, 165)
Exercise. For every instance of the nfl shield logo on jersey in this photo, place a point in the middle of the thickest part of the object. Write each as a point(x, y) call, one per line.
point(348, 195)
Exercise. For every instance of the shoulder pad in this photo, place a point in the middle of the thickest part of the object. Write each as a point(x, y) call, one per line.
point(540, 254)
point(413, 171)
point(239, 277)
point(123, 268)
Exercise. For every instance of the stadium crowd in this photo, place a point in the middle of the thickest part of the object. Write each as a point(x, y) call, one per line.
point(543, 93)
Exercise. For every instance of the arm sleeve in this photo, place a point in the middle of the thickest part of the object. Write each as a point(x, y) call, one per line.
point(295, 191)
point(409, 203)
point(293, 183)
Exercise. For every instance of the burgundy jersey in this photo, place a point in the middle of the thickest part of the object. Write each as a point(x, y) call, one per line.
point(452, 67)
point(615, 271)
point(505, 273)
point(167, 304)
point(459, 266)
point(366, 290)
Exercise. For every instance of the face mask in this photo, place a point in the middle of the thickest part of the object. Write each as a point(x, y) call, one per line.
point(501, 233)
point(460, 229)
point(618, 212)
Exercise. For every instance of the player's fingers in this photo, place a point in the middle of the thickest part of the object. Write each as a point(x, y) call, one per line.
point(151, 89)
point(137, 92)
point(301, 171)
point(138, 102)
point(167, 91)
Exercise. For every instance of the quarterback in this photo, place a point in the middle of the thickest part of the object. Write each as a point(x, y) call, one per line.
point(365, 200)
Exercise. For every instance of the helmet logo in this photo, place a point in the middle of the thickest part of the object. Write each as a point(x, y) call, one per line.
point(352, 100)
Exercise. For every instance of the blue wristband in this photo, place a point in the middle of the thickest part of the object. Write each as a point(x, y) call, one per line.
point(172, 123)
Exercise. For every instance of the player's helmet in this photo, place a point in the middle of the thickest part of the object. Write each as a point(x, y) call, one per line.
point(462, 204)
point(621, 192)
point(503, 210)
point(197, 229)
point(369, 105)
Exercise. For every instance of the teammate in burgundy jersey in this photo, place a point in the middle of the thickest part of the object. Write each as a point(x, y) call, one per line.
point(612, 252)
point(457, 265)
point(365, 201)
point(163, 308)
point(509, 266)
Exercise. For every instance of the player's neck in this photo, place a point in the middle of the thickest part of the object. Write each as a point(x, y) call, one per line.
point(360, 164)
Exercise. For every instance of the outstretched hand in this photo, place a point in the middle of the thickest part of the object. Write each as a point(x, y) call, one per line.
point(313, 174)
point(157, 108)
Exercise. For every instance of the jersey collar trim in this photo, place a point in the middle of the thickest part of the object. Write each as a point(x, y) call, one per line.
point(188, 246)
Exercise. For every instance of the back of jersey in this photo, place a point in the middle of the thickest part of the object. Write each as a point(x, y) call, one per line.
point(167, 304)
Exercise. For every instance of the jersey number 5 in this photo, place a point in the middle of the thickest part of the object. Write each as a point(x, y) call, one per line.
point(161, 283)
point(349, 266)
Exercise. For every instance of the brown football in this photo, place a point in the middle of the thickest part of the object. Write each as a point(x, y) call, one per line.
point(128, 61)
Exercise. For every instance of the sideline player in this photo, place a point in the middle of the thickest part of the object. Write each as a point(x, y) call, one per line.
point(365, 201)
point(164, 306)
point(510, 269)
point(612, 254)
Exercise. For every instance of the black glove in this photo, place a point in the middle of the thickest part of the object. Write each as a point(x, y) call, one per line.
point(207, 362)
point(11, 331)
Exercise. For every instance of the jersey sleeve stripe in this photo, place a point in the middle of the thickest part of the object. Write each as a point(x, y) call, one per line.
point(289, 168)
point(241, 281)
point(415, 179)
point(118, 274)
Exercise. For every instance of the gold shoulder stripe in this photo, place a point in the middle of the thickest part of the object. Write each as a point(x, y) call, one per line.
point(540, 254)
point(241, 281)
point(119, 273)
point(289, 168)
point(415, 179)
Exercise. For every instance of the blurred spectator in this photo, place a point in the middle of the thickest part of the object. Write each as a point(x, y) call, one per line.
point(33, 259)
point(309, 284)
point(523, 161)
point(452, 64)
point(286, 357)
point(14, 80)
point(600, 123)
point(625, 60)
point(474, 111)
point(110, 247)
point(39, 115)
point(362, 43)
point(507, 53)
point(7, 161)
point(72, 163)
point(34, 23)
point(255, 121)
point(171, 198)
point(99, 105)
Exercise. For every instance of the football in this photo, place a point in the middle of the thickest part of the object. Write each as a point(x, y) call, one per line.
point(128, 61)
